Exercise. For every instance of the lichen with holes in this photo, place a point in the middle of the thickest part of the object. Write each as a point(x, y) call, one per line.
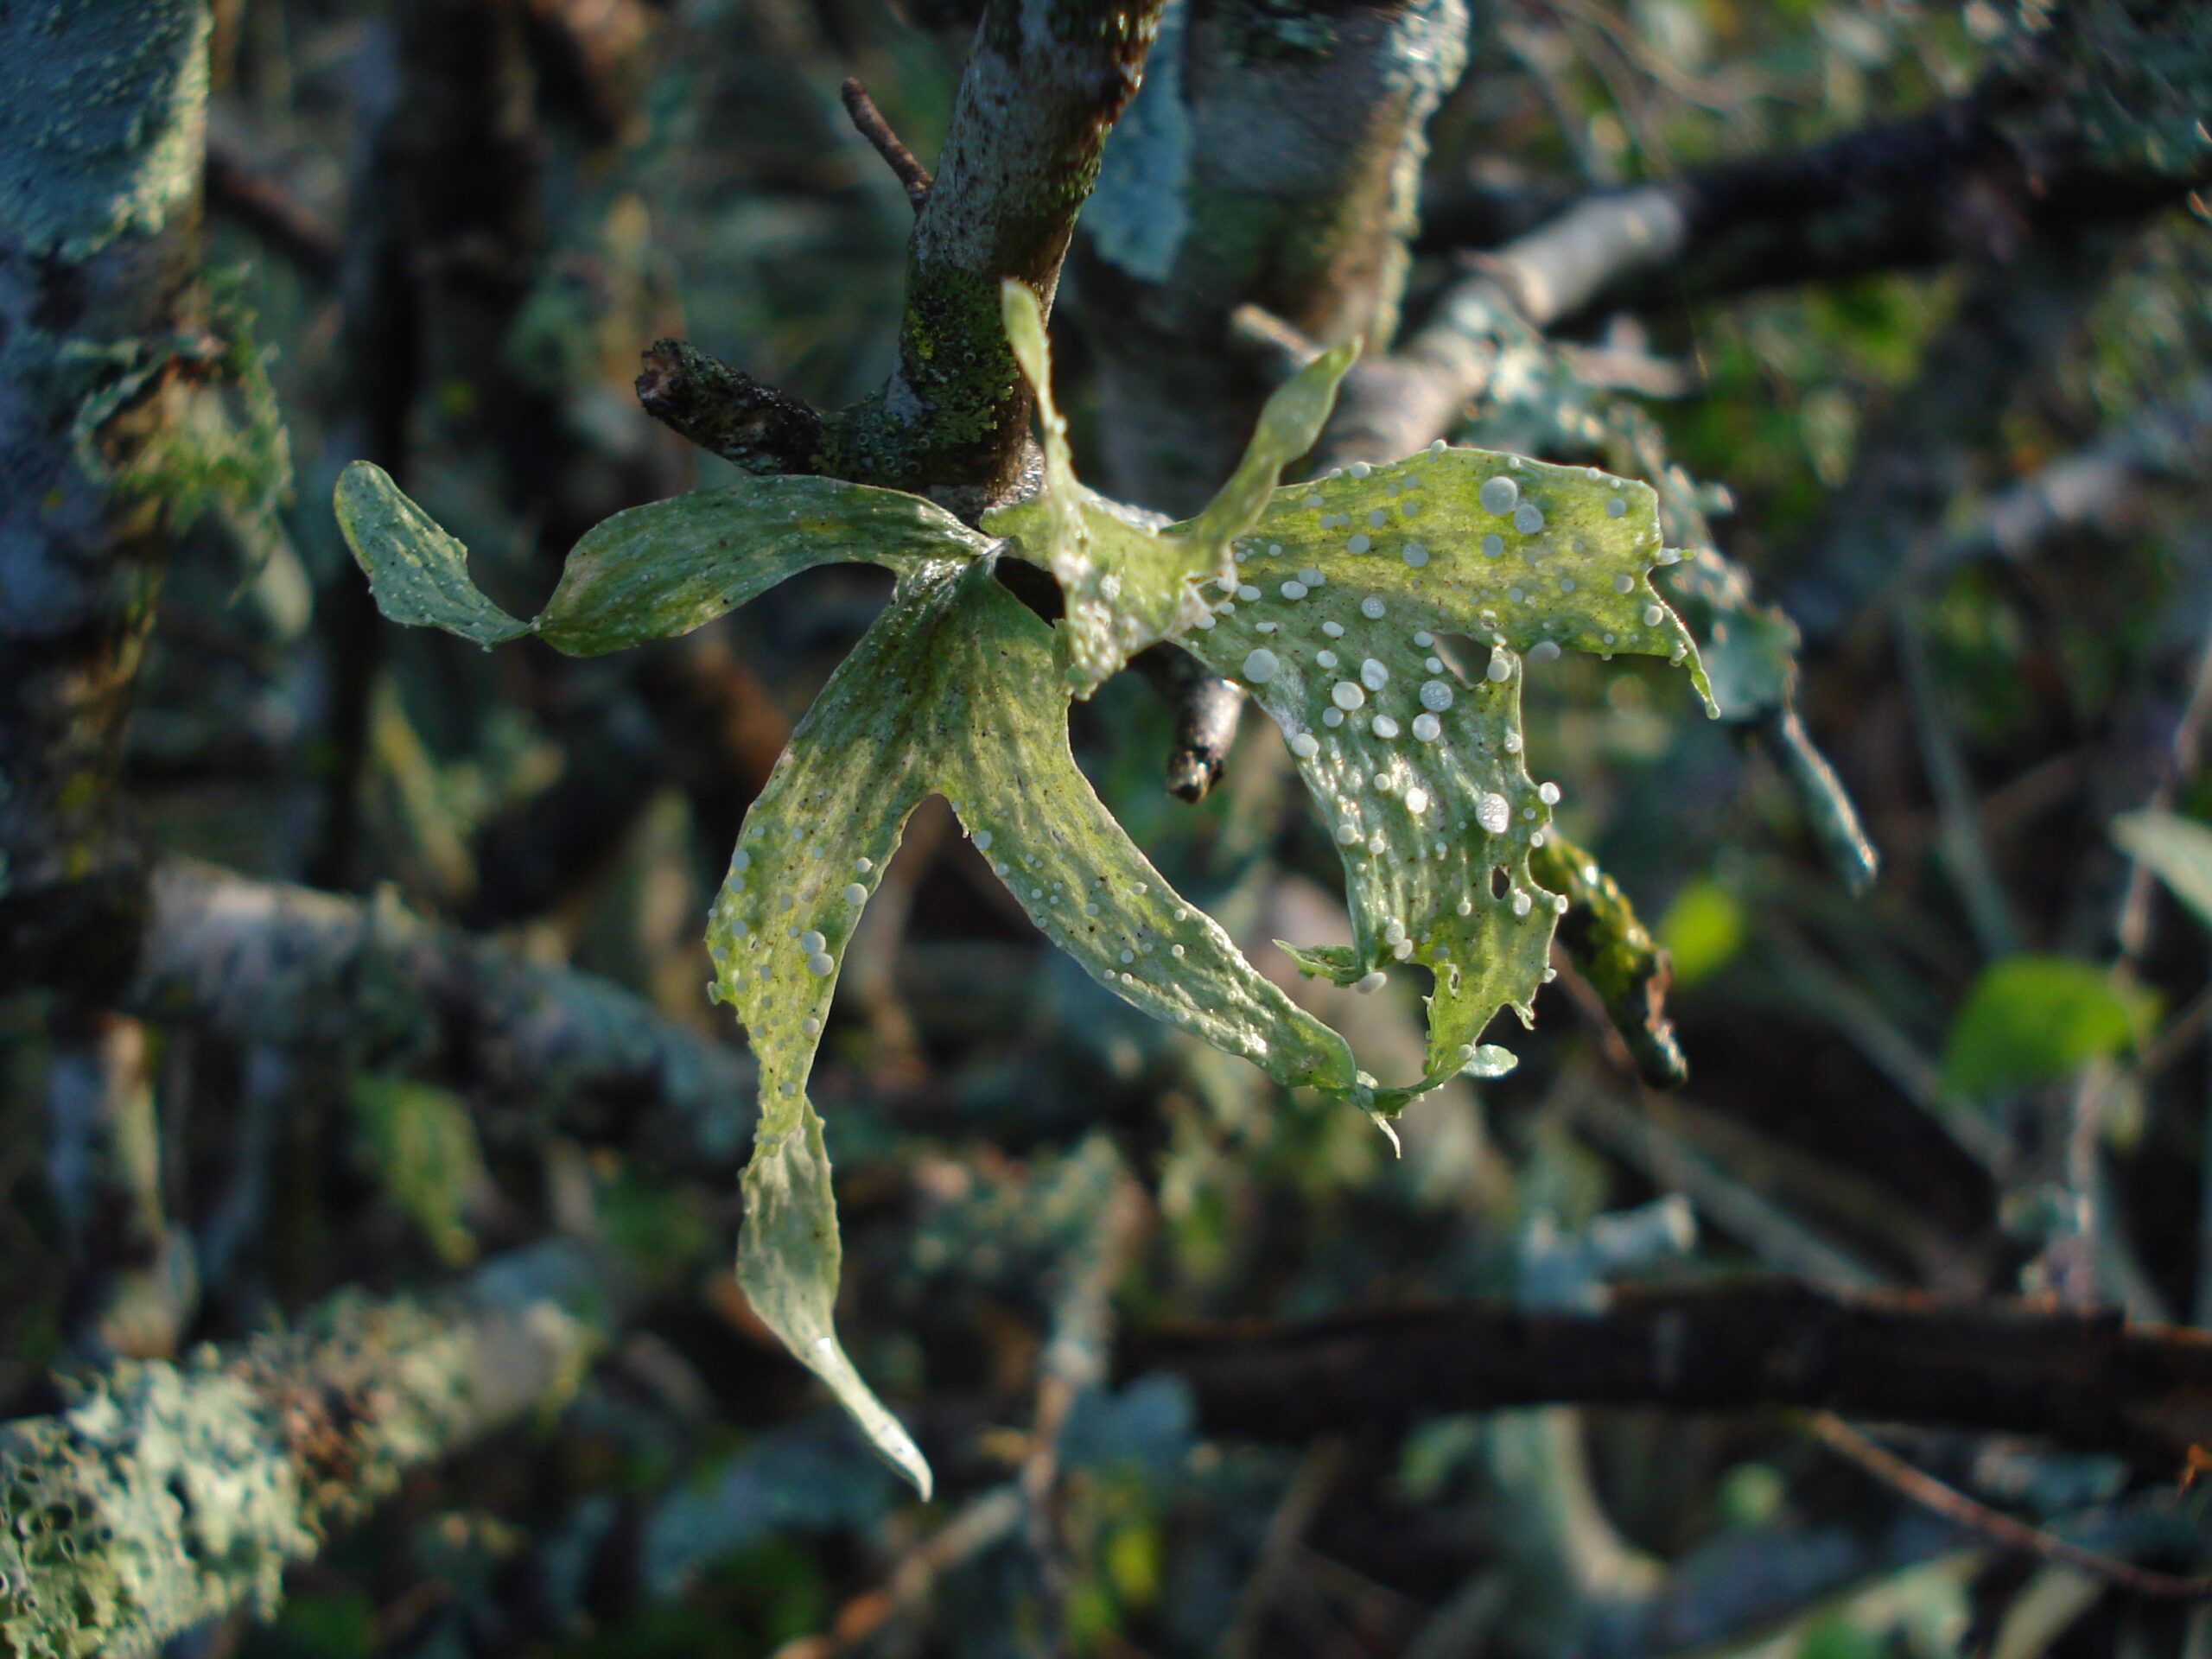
point(1331, 601)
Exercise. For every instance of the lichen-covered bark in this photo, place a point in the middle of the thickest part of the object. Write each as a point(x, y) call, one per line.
point(1273, 162)
point(1393, 405)
point(165, 1495)
point(266, 962)
point(101, 109)
point(1044, 84)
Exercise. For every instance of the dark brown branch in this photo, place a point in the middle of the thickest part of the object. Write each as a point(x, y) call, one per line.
point(1884, 197)
point(2086, 1379)
point(1947, 183)
point(264, 207)
point(727, 412)
point(869, 122)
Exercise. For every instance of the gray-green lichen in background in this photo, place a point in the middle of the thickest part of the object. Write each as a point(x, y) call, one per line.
point(168, 1494)
point(265, 962)
point(101, 102)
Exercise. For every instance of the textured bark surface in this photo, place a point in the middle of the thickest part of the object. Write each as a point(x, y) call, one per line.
point(99, 247)
point(1044, 83)
point(293, 968)
point(167, 1495)
point(1274, 162)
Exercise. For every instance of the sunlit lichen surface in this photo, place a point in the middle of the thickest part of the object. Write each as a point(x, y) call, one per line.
point(1380, 617)
point(1383, 619)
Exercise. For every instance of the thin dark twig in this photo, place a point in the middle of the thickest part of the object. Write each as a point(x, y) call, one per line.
point(1955, 1505)
point(272, 213)
point(868, 121)
point(980, 1525)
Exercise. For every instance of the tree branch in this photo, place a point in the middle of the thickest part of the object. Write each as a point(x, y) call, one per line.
point(2023, 160)
point(167, 1495)
point(264, 206)
point(134, 1284)
point(869, 122)
point(102, 316)
point(1208, 710)
point(1044, 84)
point(727, 412)
point(1272, 163)
point(1967, 178)
point(1391, 405)
point(264, 963)
point(1956, 1507)
point(2087, 1379)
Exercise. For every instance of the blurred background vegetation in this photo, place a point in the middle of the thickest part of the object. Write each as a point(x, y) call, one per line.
point(1986, 1075)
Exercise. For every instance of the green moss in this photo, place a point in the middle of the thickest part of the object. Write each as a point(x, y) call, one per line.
point(964, 382)
point(224, 447)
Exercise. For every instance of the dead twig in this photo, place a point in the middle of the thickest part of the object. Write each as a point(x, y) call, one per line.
point(272, 213)
point(1974, 1516)
point(869, 122)
point(985, 1520)
point(1317, 1476)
